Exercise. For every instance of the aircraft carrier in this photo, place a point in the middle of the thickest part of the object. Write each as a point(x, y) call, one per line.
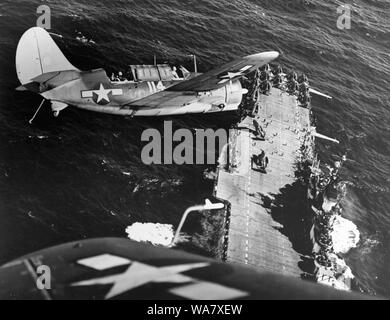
point(260, 200)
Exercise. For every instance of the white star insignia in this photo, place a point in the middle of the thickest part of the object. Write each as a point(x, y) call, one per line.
point(230, 75)
point(102, 93)
point(138, 274)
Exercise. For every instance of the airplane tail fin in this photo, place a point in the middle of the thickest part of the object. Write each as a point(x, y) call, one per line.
point(38, 54)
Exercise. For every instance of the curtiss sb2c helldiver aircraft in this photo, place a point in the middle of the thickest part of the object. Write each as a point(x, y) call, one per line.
point(155, 90)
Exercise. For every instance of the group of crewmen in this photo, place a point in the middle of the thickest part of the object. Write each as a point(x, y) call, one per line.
point(293, 84)
point(323, 219)
point(325, 255)
point(266, 78)
point(259, 160)
point(320, 183)
point(299, 86)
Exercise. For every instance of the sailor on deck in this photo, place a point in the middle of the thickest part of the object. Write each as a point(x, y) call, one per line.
point(304, 99)
point(266, 68)
point(260, 160)
point(278, 70)
point(259, 131)
point(277, 81)
point(292, 76)
point(264, 76)
point(265, 87)
point(303, 78)
point(303, 88)
point(292, 86)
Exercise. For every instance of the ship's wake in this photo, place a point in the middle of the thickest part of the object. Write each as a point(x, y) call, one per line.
point(157, 234)
point(154, 233)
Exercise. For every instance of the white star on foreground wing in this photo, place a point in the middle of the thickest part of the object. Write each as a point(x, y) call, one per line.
point(138, 274)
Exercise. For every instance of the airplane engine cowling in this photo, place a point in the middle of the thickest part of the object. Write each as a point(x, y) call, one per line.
point(234, 93)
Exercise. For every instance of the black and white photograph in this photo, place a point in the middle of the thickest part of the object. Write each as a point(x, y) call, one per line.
point(194, 154)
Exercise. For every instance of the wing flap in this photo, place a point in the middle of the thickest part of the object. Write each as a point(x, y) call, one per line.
point(163, 99)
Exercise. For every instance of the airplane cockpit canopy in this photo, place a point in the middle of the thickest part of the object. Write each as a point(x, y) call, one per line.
point(159, 72)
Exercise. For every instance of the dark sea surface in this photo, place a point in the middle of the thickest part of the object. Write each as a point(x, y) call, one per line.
point(80, 175)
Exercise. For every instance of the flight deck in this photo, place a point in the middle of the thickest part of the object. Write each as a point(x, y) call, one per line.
point(253, 237)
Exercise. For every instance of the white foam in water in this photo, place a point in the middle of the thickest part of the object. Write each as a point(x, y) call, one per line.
point(328, 205)
point(332, 282)
point(339, 277)
point(345, 235)
point(341, 267)
point(154, 233)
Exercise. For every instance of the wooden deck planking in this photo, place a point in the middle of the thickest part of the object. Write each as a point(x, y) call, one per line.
point(253, 235)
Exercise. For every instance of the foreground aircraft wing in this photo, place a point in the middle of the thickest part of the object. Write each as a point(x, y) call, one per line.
point(114, 268)
point(221, 76)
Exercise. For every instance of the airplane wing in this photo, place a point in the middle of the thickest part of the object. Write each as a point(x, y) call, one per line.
point(114, 268)
point(220, 76)
point(183, 97)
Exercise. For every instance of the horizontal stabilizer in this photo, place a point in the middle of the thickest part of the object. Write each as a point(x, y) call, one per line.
point(21, 88)
point(66, 74)
point(30, 86)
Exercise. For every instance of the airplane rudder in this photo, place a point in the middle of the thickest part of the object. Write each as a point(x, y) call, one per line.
point(37, 53)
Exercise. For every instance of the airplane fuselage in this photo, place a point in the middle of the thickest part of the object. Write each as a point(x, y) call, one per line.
point(88, 92)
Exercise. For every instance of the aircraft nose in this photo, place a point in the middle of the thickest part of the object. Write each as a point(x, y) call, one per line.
point(265, 56)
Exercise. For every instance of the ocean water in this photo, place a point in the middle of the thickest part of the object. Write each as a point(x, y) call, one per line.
point(80, 175)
